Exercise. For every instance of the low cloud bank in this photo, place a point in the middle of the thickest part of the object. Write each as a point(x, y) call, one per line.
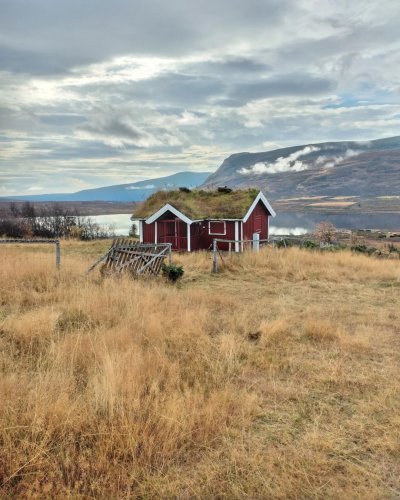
point(330, 162)
point(292, 163)
point(147, 186)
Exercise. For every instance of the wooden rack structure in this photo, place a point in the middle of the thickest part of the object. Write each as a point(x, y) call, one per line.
point(137, 258)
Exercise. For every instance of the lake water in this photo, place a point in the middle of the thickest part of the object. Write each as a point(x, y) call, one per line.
point(284, 223)
point(119, 223)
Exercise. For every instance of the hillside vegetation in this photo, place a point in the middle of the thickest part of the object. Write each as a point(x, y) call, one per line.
point(276, 378)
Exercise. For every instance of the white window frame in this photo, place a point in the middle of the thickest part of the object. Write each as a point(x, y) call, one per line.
point(219, 222)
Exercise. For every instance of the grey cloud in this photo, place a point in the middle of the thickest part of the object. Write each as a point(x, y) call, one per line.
point(212, 87)
point(296, 84)
point(177, 90)
point(78, 150)
point(121, 127)
point(14, 118)
point(358, 40)
point(61, 119)
point(60, 35)
point(181, 88)
point(114, 126)
point(231, 66)
point(25, 61)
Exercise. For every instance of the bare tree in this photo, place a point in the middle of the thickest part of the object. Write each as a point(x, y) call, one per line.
point(325, 232)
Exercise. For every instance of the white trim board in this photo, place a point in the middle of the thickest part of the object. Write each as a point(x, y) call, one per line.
point(140, 231)
point(237, 236)
point(168, 208)
point(263, 199)
point(188, 238)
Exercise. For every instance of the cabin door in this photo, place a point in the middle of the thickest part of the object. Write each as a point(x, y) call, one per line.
point(180, 235)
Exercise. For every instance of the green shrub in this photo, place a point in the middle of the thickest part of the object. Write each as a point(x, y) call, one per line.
point(224, 189)
point(281, 243)
point(310, 244)
point(363, 249)
point(171, 272)
point(335, 248)
point(393, 249)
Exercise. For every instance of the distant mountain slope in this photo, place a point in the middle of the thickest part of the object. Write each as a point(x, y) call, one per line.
point(362, 169)
point(136, 191)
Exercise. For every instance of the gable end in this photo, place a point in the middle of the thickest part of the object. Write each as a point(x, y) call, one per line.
point(260, 197)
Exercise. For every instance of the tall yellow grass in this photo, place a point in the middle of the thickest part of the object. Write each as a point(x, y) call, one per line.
point(276, 378)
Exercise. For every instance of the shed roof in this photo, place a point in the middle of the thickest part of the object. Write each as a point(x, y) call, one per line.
point(200, 204)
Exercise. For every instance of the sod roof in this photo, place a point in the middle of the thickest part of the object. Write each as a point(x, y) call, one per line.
point(200, 204)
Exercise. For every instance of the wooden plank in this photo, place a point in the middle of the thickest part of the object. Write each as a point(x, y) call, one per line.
point(110, 258)
point(150, 261)
point(122, 256)
point(103, 257)
point(138, 252)
point(130, 262)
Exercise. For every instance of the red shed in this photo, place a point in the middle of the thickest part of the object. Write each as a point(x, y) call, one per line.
point(190, 220)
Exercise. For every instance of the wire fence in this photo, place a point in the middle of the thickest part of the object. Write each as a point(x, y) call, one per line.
point(36, 242)
point(238, 246)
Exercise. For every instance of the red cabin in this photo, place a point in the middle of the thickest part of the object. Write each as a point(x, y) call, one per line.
point(190, 220)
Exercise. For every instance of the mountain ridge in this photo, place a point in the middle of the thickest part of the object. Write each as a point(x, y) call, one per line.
point(335, 168)
point(134, 192)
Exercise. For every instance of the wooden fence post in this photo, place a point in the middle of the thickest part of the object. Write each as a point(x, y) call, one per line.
point(58, 254)
point(170, 254)
point(215, 256)
point(256, 242)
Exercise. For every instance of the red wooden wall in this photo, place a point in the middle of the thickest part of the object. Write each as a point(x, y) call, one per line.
point(257, 223)
point(148, 232)
point(202, 240)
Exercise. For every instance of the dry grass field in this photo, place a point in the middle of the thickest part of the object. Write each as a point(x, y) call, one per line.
point(278, 378)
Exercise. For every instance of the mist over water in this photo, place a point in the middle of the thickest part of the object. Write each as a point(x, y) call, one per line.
point(284, 231)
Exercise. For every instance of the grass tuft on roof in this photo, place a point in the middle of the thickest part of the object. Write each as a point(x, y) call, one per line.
point(200, 204)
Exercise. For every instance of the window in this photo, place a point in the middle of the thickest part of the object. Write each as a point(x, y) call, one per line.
point(217, 227)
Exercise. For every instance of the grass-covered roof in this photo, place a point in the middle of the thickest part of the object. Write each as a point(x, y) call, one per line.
point(200, 204)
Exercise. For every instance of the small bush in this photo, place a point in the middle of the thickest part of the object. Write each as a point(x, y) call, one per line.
point(224, 189)
point(184, 189)
point(334, 248)
point(173, 273)
point(310, 244)
point(363, 249)
point(393, 249)
point(282, 243)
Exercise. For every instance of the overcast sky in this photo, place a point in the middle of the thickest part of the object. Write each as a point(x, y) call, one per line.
point(99, 92)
